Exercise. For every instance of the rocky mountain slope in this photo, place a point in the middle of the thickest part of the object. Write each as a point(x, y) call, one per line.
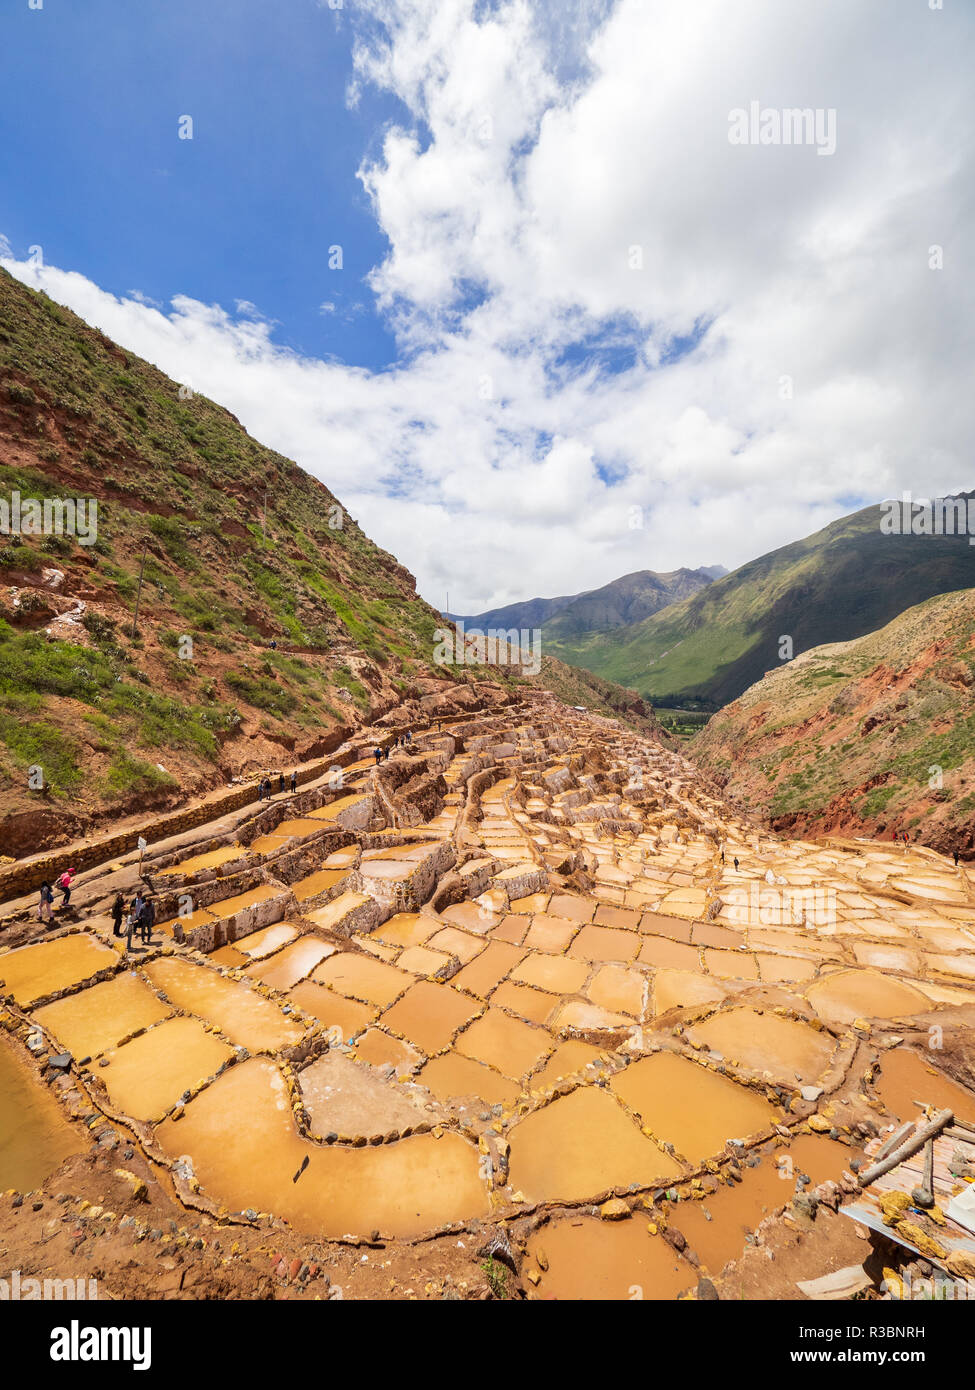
point(269, 625)
point(841, 583)
point(873, 736)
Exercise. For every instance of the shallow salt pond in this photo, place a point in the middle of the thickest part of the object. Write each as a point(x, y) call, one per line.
point(284, 969)
point(33, 972)
point(580, 1146)
point(582, 1257)
point(906, 1077)
point(246, 1018)
point(211, 860)
point(766, 1042)
point(245, 1151)
point(693, 1108)
point(737, 1210)
point(147, 1076)
point(851, 994)
point(87, 1023)
point(35, 1137)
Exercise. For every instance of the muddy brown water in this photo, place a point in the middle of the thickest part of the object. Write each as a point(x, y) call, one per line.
point(582, 1257)
point(735, 1211)
point(906, 1076)
point(35, 1137)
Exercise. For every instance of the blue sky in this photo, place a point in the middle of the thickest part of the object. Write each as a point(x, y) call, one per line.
point(578, 330)
point(92, 170)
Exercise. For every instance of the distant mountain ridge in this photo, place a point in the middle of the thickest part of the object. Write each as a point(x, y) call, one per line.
point(623, 601)
point(844, 581)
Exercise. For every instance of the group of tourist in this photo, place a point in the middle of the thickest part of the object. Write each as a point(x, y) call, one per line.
point(265, 787)
point(141, 917)
point(382, 754)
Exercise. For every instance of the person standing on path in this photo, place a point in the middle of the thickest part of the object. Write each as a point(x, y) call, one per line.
point(281, 783)
point(294, 783)
point(260, 790)
point(44, 910)
point(118, 912)
point(147, 920)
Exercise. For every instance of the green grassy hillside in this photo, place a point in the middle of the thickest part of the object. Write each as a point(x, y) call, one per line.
point(840, 583)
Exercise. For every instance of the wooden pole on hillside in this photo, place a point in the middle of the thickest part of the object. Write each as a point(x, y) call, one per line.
point(138, 592)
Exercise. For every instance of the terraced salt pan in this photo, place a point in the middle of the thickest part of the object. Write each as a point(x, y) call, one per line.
point(33, 972)
point(683, 989)
point(295, 962)
point(736, 1211)
point(265, 942)
point(582, 1257)
point(334, 1010)
point(361, 977)
point(906, 1077)
point(147, 1076)
point(452, 1077)
point(430, 1014)
point(315, 884)
point(35, 1138)
point(211, 860)
point(696, 1110)
point(245, 1151)
point(580, 1146)
point(245, 1017)
point(344, 1097)
point(229, 907)
point(851, 994)
point(766, 1042)
point(95, 1019)
point(512, 1047)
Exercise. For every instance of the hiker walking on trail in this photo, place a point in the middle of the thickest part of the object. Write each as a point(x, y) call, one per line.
point(44, 910)
point(294, 783)
point(64, 883)
point(378, 755)
point(281, 783)
point(736, 863)
point(260, 790)
point(118, 912)
point(955, 852)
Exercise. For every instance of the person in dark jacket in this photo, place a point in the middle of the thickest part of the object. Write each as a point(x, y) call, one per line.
point(294, 783)
point(118, 912)
point(281, 783)
point(147, 920)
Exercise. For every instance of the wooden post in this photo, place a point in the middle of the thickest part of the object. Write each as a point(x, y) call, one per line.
point(929, 1131)
point(138, 592)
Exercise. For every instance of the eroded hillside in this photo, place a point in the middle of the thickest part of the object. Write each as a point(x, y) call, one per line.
point(874, 735)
